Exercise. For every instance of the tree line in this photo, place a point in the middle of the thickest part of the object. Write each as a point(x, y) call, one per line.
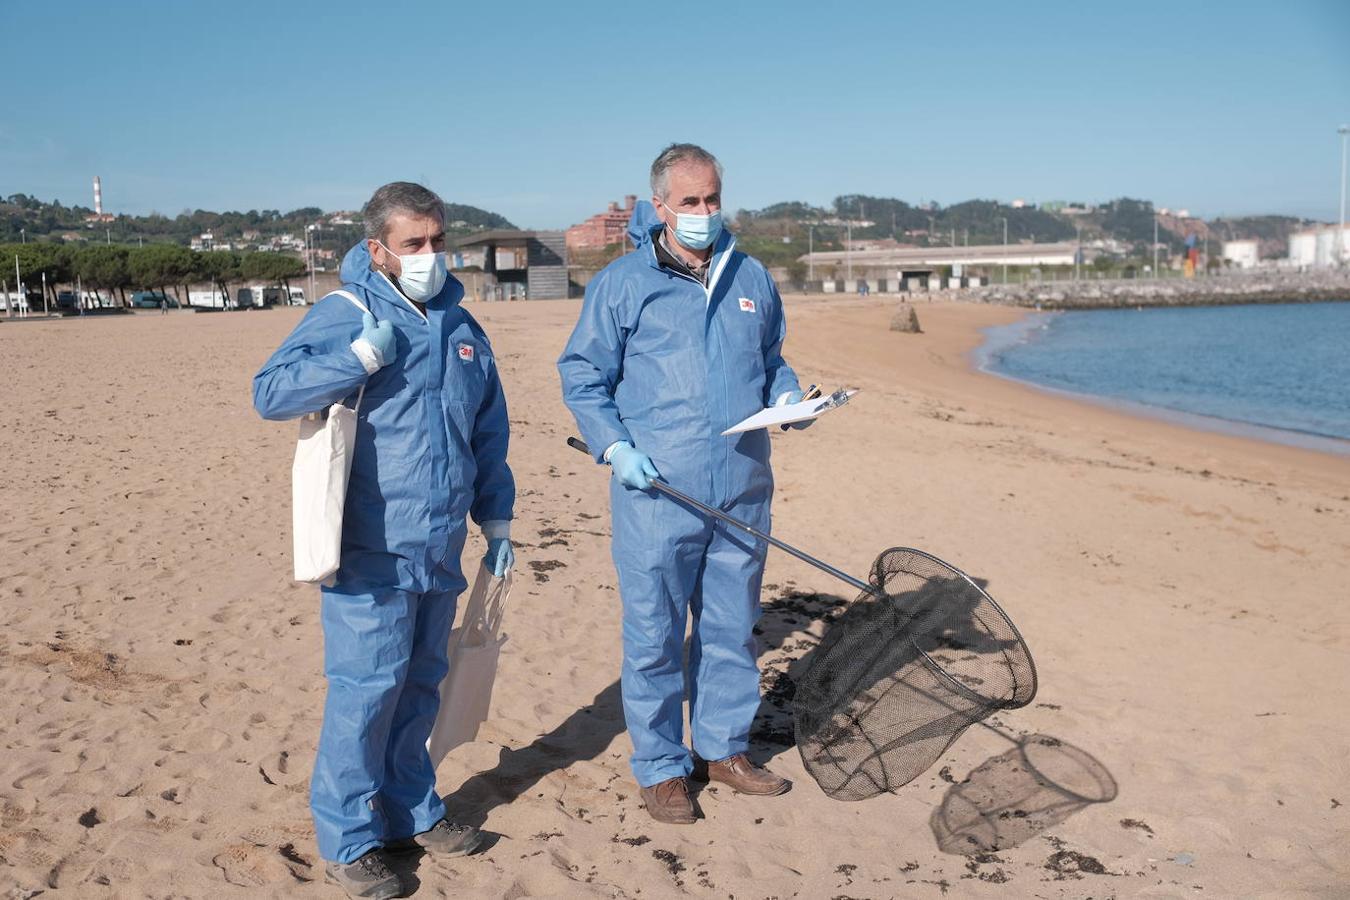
point(114, 269)
point(21, 213)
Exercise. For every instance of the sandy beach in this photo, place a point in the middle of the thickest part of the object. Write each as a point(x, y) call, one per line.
point(1184, 595)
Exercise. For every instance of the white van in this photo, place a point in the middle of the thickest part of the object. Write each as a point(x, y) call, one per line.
point(212, 299)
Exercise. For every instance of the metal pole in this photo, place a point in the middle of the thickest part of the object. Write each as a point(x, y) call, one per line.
point(811, 252)
point(109, 231)
point(848, 249)
point(1343, 130)
point(1078, 252)
point(718, 514)
point(45, 310)
point(1156, 273)
point(23, 233)
point(1005, 249)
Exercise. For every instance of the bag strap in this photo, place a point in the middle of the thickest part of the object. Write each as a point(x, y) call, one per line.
point(361, 306)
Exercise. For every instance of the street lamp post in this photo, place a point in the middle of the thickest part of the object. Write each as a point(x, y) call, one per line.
point(1155, 245)
point(848, 249)
point(1343, 131)
point(811, 252)
point(1005, 249)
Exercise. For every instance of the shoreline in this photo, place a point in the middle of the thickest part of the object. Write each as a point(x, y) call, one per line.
point(983, 359)
point(943, 370)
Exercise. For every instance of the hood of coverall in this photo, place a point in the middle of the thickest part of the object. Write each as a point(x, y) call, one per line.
point(643, 223)
point(356, 270)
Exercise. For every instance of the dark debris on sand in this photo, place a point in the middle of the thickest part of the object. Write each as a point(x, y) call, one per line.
point(672, 862)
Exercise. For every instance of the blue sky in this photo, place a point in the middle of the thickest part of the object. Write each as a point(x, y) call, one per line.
point(545, 111)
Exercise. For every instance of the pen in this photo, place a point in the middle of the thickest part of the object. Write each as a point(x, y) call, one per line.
point(811, 393)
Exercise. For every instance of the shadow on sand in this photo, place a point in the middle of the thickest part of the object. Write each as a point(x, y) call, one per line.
point(1037, 783)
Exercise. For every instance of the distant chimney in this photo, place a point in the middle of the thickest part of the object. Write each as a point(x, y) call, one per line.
point(629, 201)
point(98, 197)
point(613, 207)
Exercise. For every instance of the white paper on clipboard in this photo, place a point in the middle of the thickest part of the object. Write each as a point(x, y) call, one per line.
point(783, 415)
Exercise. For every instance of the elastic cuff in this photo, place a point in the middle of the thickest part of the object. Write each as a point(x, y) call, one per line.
point(783, 398)
point(370, 358)
point(609, 451)
point(497, 528)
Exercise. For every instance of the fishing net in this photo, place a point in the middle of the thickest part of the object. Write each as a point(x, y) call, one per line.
point(907, 667)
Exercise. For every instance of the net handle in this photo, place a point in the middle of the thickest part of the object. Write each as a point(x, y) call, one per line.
point(659, 485)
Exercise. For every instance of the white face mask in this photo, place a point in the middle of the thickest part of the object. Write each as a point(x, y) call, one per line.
point(423, 275)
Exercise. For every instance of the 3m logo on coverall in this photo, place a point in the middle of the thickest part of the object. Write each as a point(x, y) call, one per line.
point(466, 352)
point(747, 305)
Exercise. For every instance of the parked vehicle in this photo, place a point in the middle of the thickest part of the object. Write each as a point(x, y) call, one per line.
point(213, 299)
point(258, 296)
point(152, 300)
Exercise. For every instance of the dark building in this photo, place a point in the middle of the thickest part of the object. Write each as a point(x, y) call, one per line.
point(518, 265)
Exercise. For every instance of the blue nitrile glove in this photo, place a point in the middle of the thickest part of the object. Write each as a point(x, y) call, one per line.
point(380, 336)
point(632, 467)
point(796, 397)
point(499, 557)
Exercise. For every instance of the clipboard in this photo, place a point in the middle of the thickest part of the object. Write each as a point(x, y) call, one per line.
point(791, 412)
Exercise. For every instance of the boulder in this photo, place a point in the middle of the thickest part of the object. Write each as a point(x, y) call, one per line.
point(905, 319)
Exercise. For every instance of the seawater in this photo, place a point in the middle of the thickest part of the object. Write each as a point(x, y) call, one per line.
point(1284, 367)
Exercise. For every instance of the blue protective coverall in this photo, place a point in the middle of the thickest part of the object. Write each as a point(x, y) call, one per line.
point(431, 445)
point(659, 361)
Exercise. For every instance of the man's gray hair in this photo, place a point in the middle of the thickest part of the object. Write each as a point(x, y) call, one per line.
point(399, 197)
point(672, 156)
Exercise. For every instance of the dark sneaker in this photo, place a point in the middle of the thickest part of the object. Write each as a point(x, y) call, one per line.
point(368, 877)
point(668, 801)
point(444, 839)
point(742, 775)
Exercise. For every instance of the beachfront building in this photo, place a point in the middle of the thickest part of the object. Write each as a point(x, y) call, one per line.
point(911, 268)
point(1242, 254)
point(515, 265)
point(1320, 248)
point(602, 229)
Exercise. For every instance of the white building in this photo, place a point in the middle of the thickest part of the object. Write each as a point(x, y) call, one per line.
point(1241, 254)
point(1320, 248)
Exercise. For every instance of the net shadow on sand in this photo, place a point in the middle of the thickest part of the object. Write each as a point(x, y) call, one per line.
point(1019, 793)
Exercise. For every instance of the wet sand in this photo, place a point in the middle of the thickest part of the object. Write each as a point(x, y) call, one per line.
point(1183, 594)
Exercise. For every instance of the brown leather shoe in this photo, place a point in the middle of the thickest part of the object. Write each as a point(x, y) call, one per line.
point(668, 801)
point(742, 775)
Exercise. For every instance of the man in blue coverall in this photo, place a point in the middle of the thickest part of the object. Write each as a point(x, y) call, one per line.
point(431, 445)
point(677, 341)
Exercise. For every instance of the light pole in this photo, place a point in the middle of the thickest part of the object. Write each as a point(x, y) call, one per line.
point(1078, 251)
point(1005, 249)
point(1155, 245)
point(848, 249)
point(1342, 131)
point(811, 252)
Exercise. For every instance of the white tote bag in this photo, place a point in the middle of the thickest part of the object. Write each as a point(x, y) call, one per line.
point(466, 691)
point(319, 476)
